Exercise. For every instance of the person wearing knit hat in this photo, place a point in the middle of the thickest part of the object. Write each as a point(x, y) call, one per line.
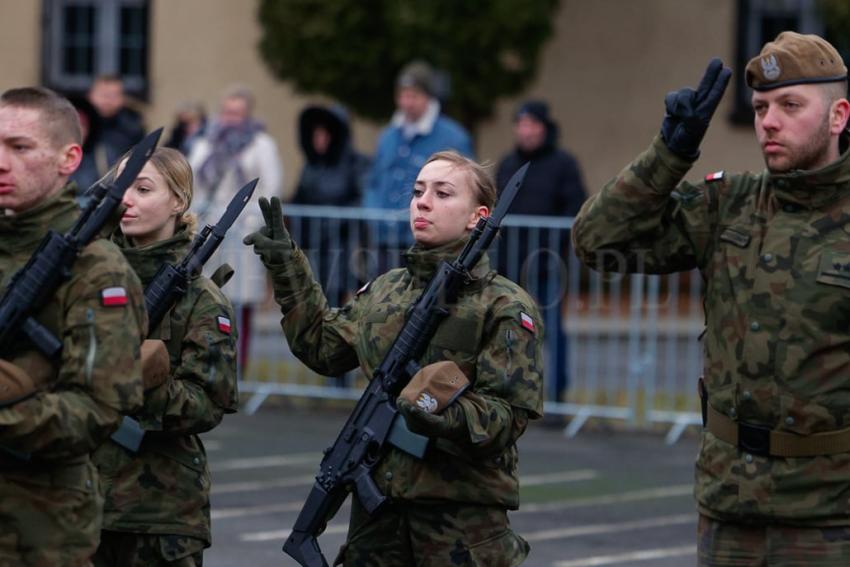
point(553, 186)
point(773, 470)
point(417, 129)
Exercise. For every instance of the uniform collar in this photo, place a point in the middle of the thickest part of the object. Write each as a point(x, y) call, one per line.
point(146, 260)
point(24, 230)
point(422, 262)
point(813, 189)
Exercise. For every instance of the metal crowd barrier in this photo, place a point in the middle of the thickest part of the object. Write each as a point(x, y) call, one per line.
point(632, 349)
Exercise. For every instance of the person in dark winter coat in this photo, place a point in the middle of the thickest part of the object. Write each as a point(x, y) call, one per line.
point(333, 175)
point(553, 187)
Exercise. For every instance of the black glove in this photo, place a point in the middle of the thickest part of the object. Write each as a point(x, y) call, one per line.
point(450, 424)
point(272, 242)
point(689, 112)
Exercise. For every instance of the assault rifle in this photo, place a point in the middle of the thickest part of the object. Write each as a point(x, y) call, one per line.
point(348, 463)
point(50, 265)
point(170, 284)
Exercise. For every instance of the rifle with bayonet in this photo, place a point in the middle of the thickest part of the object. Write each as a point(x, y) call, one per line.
point(50, 265)
point(170, 284)
point(375, 422)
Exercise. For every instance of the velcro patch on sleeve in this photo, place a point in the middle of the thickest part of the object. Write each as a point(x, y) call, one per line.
point(224, 324)
point(115, 296)
point(716, 176)
point(527, 322)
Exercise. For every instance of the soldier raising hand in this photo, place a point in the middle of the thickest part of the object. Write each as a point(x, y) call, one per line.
point(773, 471)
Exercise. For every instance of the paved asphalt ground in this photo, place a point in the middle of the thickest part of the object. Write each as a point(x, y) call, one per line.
point(602, 498)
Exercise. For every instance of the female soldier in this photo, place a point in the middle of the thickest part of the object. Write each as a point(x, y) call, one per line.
point(157, 500)
point(450, 508)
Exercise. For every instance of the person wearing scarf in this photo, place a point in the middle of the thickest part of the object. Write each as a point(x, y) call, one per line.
point(236, 150)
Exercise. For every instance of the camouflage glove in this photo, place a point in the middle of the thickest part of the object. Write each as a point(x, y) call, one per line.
point(272, 242)
point(450, 424)
point(689, 111)
point(15, 384)
point(156, 365)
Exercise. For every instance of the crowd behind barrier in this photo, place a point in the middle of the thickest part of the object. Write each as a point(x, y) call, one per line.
point(633, 340)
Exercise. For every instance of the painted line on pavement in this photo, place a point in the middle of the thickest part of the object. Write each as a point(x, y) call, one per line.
point(609, 527)
point(257, 485)
point(630, 557)
point(265, 462)
point(283, 534)
point(617, 498)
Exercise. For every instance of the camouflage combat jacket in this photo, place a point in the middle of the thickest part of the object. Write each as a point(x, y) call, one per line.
point(774, 253)
point(484, 334)
point(165, 487)
point(82, 395)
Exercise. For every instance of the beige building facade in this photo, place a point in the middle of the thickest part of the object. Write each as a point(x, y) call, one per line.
point(604, 73)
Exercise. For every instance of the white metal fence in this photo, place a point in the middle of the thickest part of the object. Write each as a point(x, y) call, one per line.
point(628, 349)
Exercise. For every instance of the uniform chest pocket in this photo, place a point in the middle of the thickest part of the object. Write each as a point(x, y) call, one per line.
point(457, 334)
point(834, 269)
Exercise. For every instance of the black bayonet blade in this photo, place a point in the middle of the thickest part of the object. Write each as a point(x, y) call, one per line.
point(508, 193)
point(234, 208)
point(141, 153)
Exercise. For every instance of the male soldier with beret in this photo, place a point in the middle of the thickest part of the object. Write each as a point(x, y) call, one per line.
point(773, 471)
point(53, 413)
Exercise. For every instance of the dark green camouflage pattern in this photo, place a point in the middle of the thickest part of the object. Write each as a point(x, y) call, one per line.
point(728, 544)
point(774, 253)
point(164, 488)
point(50, 507)
point(483, 335)
point(437, 533)
point(143, 550)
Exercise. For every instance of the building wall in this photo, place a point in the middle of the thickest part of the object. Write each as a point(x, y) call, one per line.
point(20, 44)
point(605, 74)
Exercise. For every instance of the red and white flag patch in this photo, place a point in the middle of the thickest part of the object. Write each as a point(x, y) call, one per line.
point(115, 296)
point(716, 176)
point(527, 322)
point(224, 324)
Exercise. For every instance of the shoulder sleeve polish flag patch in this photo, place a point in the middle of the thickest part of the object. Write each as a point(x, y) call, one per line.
point(224, 324)
point(527, 322)
point(716, 176)
point(113, 296)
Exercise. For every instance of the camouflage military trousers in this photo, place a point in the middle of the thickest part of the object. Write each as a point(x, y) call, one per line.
point(120, 549)
point(434, 534)
point(49, 517)
point(723, 544)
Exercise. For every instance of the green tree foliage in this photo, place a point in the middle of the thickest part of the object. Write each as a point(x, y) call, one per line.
point(836, 18)
point(351, 50)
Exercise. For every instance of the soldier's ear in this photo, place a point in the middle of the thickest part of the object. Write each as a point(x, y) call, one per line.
point(839, 116)
point(70, 157)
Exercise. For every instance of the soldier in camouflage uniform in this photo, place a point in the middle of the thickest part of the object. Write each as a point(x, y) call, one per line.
point(773, 471)
point(53, 413)
point(450, 508)
point(157, 509)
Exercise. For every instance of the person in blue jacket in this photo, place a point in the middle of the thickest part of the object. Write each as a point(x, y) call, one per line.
point(417, 130)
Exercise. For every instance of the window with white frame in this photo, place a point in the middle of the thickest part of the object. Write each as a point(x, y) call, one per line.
point(86, 38)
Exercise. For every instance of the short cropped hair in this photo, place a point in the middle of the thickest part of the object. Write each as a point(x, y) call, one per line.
point(483, 186)
point(59, 117)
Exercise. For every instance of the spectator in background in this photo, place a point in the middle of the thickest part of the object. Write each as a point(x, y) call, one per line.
point(120, 127)
point(95, 162)
point(416, 131)
point(190, 125)
point(553, 186)
point(235, 150)
point(333, 174)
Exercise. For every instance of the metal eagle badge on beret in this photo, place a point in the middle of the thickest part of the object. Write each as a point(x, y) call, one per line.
point(770, 67)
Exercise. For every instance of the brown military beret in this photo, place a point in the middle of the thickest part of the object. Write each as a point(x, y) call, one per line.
point(435, 386)
point(794, 59)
